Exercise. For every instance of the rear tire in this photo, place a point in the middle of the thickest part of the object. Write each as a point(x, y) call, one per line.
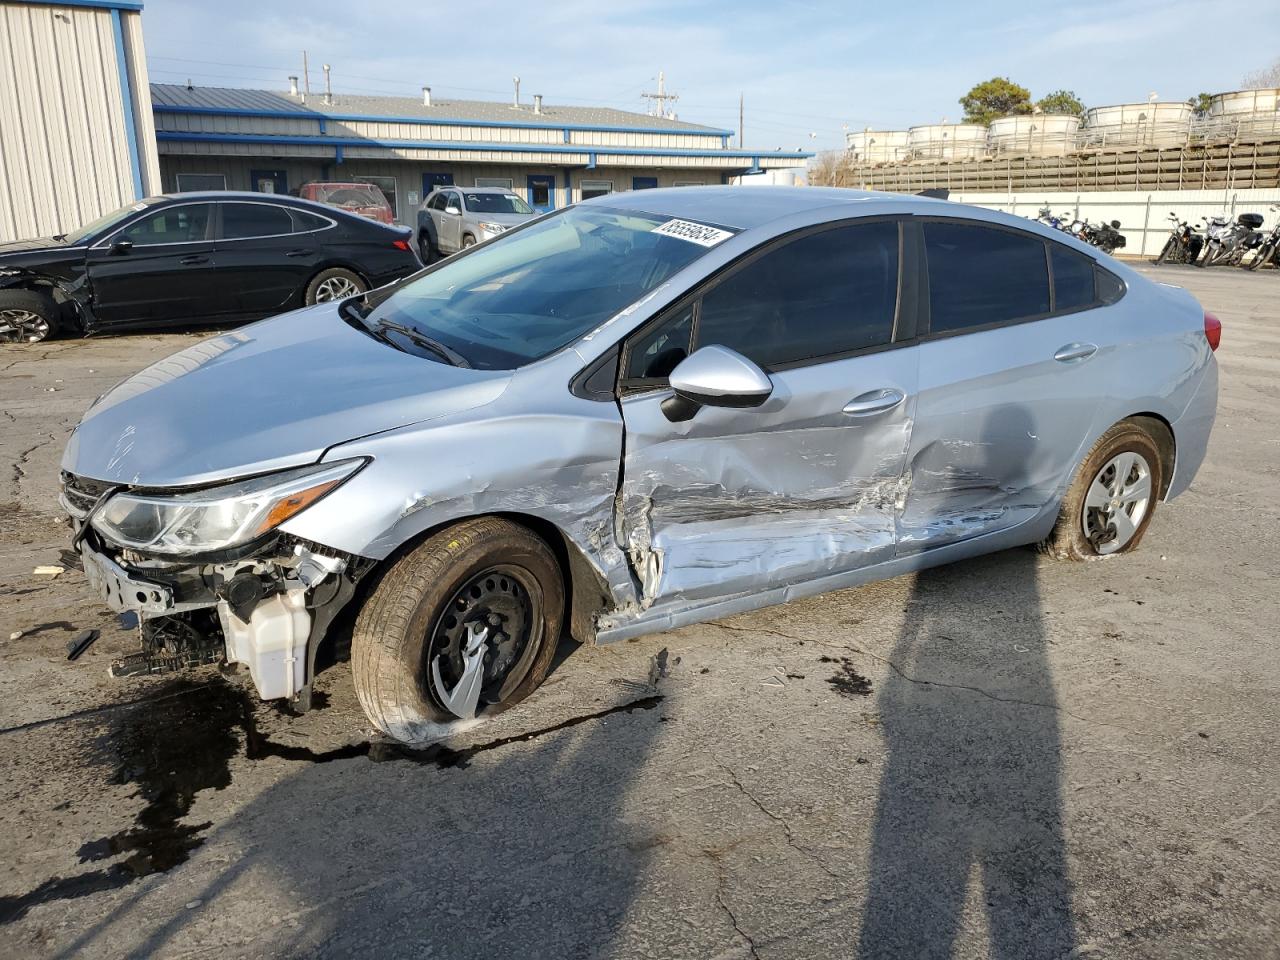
point(426, 250)
point(336, 283)
point(27, 316)
point(1262, 256)
point(485, 572)
point(1112, 499)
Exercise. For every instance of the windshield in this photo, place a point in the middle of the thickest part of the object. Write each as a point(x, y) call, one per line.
point(496, 203)
point(530, 293)
point(105, 221)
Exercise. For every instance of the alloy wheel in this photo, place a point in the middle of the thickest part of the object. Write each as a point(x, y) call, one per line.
point(336, 288)
point(1117, 501)
point(22, 326)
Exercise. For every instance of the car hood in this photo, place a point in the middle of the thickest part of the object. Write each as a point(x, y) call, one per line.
point(273, 395)
point(31, 246)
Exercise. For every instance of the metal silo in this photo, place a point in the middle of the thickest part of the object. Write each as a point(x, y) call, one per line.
point(1243, 113)
point(1149, 124)
point(1039, 134)
point(877, 146)
point(948, 141)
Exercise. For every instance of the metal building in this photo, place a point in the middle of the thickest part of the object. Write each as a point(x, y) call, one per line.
point(76, 133)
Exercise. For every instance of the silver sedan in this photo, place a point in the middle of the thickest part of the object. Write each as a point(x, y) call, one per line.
point(642, 411)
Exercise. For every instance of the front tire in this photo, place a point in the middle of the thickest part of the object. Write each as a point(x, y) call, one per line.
point(27, 316)
point(336, 283)
point(1111, 501)
point(468, 241)
point(486, 574)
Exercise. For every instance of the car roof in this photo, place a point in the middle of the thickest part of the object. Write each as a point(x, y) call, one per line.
point(282, 199)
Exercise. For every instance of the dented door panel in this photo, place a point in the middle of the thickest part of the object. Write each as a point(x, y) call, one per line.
point(739, 500)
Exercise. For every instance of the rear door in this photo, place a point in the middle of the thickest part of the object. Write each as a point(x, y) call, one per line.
point(263, 257)
point(736, 500)
point(1013, 328)
point(168, 273)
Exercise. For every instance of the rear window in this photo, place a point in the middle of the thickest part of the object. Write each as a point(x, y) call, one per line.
point(982, 275)
point(1073, 285)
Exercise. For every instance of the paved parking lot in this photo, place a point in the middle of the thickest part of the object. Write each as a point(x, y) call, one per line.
point(1007, 757)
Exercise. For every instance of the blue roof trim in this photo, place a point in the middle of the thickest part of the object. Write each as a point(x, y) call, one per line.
point(426, 121)
point(131, 5)
point(753, 155)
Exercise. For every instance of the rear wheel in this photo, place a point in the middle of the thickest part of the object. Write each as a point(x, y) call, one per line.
point(426, 251)
point(466, 623)
point(336, 283)
point(1112, 499)
point(1262, 256)
point(27, 316)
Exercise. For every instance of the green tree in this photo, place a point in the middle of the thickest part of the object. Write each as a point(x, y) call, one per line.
point(1061, 101)
point(1200, 103)
point(994, 98)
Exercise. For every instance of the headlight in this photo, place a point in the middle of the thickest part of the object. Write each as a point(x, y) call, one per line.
point(220, 517)
point(492, 227)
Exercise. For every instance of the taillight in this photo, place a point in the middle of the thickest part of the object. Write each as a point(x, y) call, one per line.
point(1212, 330)
point(404, 245)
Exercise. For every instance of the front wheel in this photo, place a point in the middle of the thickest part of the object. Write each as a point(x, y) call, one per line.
point(27, 316)
point(468, 241)
point(336, 283)
point(466, 623)
point(1111, 501)
point(1166, 255)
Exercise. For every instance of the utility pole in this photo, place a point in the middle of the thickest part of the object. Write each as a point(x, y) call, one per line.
point(306, 78)
point(740, 147)
point(660, 98)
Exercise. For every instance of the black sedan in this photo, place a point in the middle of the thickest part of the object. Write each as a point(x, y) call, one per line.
point(194, 258)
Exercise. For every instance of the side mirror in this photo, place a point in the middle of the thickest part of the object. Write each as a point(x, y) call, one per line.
point(453, 211)
point(715, 376)
point(121, 247)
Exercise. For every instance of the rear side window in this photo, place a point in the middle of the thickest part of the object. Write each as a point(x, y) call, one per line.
point(1073, 286)
point(241, 221)
point(824, 294)
point(981, 275)
point(304, 222)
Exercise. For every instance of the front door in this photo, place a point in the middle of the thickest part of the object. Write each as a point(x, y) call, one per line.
point(1008, 381)
point(165, 271)
point(804, 486)
point(644, 183)
point(542, 192)
point(269, 181)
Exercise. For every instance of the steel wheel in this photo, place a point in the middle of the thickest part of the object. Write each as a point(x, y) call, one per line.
point(22, 326)
point(1116, 502)
point(335, 288)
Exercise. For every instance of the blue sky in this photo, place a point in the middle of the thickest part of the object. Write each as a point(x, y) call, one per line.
point(805, 67)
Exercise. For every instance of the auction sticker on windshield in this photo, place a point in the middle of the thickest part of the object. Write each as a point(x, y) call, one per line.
point(698, 233)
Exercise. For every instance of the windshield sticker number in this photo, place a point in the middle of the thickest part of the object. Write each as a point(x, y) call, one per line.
point(697, 233)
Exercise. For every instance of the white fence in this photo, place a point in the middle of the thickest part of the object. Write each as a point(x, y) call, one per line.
point(1144, 217)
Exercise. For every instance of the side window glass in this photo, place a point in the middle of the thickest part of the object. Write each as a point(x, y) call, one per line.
point(457, 201)
point(980, 275)
point(654, 354)
point(437, 202)
point(241, 221)
point(188, 223)
point(1072, 279)
point(304, 222)
point(821, 295)
point(1110, 288)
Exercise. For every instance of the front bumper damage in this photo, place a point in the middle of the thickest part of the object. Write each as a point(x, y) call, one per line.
point(266, 606)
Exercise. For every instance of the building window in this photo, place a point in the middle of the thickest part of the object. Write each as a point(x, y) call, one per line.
point(689, 183)
point(595, 188)
point(388, 187)
point(505, 182)
point(191, 182)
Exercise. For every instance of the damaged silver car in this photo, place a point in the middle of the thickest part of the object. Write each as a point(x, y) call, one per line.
point(639, 412)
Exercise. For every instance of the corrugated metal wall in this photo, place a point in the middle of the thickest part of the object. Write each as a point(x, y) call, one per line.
point(64, 154)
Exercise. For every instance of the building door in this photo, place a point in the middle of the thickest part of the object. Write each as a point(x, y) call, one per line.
point(434, 181)
point(643, 183)
point(269, 181)
point(542, 192)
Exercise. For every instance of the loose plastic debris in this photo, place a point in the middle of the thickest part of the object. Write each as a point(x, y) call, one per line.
point(49, 571)
point(82, 642)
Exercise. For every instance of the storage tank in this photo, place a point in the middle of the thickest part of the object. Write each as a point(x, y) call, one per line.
point(877, 146)
point(1244, 113)
point(1151, 124)
point(948, 141)
point(1037, 134)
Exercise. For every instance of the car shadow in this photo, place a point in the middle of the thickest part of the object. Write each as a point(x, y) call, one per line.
point(969, 819)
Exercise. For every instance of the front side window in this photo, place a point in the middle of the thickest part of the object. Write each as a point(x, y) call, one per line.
point(241, 221)
point(981, 275)
point(510, 303)
point(824, 294)
point(657, 351)
point(496, 203)
point(188, 223)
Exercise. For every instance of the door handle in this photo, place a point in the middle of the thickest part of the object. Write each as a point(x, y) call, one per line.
point(874, 401)
point(298, 253)
point(188, 261)
point(1075, 351)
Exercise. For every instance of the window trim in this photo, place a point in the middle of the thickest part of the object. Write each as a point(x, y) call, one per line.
point(925, 328)
point(906, 271)
point(110, 238)
point(268, 236)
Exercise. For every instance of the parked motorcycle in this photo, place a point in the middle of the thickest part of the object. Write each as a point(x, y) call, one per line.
point(1183, 245)
point(1105, 236)
point(1266, 250)
point(1049, 220)
point(1227, 242)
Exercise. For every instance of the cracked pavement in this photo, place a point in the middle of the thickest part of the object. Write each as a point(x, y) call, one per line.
point(1022, 758)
